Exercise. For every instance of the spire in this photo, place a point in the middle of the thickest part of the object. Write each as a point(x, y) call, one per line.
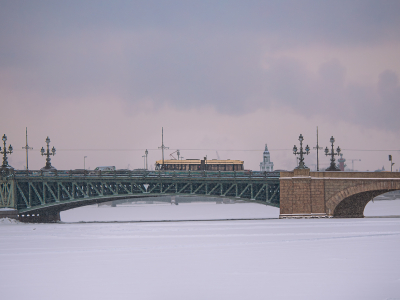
point(266, 164)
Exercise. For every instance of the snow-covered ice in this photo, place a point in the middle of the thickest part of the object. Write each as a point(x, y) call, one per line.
point(383, 208)
point(7, 221)
point(189, 211)
point(260, 259)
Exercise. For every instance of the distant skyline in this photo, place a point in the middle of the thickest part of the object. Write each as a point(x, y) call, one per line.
point(217, 75)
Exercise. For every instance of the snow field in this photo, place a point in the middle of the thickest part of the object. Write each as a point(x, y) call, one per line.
point(189, 211)
point(261, 259)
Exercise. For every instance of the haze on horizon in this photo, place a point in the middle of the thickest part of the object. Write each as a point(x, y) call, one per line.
point(223, 76)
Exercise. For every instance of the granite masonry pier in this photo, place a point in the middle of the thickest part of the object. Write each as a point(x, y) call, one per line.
point(331, 194)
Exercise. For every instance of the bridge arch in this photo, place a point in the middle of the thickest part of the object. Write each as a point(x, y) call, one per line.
point(351, 202)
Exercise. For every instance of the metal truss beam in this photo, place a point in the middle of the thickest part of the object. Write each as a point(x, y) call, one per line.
point(31, 193)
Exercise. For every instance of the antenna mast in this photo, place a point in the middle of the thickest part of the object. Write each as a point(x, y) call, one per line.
point(27, 148)
point(318, 148)
point(162, 147)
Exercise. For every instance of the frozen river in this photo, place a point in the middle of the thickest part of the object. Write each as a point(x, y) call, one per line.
point(248, 259)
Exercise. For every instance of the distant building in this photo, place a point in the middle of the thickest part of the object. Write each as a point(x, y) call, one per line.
point(266, 164)
point(341, 161)
point(381, 170)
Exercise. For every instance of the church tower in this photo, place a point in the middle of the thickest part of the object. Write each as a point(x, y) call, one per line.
point(266, 164)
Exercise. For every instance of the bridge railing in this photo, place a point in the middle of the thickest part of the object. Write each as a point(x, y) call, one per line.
point(142, 174)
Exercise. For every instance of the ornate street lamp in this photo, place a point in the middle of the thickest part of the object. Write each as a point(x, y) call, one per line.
point(5, 166)
point(48, 166)
point(301, 152)
point(333, 166)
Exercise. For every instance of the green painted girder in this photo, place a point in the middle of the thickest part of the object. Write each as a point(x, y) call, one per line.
point(36, 192)
point(7, 198)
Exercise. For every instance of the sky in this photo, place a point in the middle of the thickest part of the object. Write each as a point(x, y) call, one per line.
point(223, 78)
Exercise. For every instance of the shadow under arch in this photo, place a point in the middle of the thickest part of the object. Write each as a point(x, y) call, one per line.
point(51, 212)
point(351, 202)
point(354, 205)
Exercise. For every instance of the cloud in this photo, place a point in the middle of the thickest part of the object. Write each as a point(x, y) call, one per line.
point(329, 94)
point(229, 56)
point(389, 100)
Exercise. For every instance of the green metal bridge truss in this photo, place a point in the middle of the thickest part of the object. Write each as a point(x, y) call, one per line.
point(46, 193)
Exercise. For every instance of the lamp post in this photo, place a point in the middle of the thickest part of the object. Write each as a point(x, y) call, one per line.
point(301, 153)
point(145, 153)
point(333, 166)
point(5, 166)
point(27, 148)
point(48, 166)
point(162, 148)
point(317, 148)
point(84, 162)
point(144, 161)
point(391, 162)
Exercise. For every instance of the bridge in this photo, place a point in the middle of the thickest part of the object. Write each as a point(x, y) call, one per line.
point(40, 196)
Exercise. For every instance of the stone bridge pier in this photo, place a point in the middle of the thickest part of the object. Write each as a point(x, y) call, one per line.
point(332, 194)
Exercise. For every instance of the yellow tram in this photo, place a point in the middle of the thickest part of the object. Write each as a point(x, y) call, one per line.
point(200, 165)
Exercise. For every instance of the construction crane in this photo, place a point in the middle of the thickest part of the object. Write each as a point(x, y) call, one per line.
point(352, 162)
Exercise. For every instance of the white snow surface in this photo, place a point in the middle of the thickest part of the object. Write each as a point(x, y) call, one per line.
point(247, 259)
point(383, 208)
point(8, 221)
point(189, 211)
